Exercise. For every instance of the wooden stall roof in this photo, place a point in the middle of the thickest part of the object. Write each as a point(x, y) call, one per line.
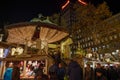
point(22, 24)
point(35, 30)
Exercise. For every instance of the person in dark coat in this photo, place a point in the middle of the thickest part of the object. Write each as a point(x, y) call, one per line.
point(75, 72)
point(98, 66)
point(61, 71)
point(39, 72)
point(100, 75)
point(53, 71)
point(113, 74)
point(16, 71)
point(88, 72)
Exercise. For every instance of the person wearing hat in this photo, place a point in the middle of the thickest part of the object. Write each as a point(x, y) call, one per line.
point(99, 73)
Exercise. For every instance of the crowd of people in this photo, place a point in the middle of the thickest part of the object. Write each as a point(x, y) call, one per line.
point(12, 72)
point(102, 72)
point(57, 71)
point(72, 71)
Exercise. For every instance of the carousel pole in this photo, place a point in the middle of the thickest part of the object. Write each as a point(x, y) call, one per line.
point(26, 48)
point(24, 69)
point(38, 39)
point(46, 60)
point(46, 66)
point(38, 45)
point(46, 48)
point(1, 69)
point(25, 53)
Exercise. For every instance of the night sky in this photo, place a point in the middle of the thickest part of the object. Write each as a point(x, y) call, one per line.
point(12, 11)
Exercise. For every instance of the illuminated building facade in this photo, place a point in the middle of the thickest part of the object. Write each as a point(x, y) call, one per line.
point(109, 32)
point(68, 13)
point(108, 37)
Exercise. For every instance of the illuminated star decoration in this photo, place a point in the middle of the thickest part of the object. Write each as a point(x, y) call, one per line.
point(82, 2)
point(68, 1)
point(65, 4)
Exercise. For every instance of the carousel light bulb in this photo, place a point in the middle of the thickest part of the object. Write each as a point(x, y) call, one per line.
point(113, 53)
point(117, 51)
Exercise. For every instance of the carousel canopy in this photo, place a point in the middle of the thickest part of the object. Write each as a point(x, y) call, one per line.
point(27, 31)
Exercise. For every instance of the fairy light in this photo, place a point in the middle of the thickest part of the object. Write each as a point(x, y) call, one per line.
point(82, 2)
point(65, 4)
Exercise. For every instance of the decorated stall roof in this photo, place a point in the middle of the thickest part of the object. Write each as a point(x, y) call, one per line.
point(30, 33)
point(20, 32)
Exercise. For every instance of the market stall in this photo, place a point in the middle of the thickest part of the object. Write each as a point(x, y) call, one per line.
point(31, 43)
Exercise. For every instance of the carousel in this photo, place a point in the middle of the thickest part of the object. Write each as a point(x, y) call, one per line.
point(29, 42)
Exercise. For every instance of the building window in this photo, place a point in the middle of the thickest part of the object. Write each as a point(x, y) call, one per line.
point(115, 36)
point(107, 46)
point(80, 36)
point(102, 40)
point(80, 41)
point(88, 38)
point(86, 45)
point(119, 34)
point(106, 39)
point(92, 43)
point(80, 46)
point(111, 38)
point(89, 43)
point(93, 49)
point(98, 41)
point(83, 40)
point(91, 37)
point(96, 49)
point(79, 30)
point(99, 47)
point(98, 35)
point(103, 47)
point(83, 46)
point(76, 46)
